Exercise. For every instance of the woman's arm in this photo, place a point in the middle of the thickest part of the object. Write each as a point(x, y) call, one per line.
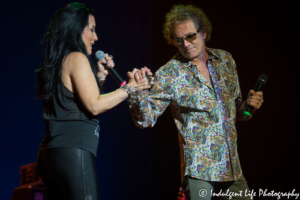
point(77, 76)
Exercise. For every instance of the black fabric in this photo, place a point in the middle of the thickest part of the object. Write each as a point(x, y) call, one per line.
point(197, 189)
point(68, 174)
point(68, 124)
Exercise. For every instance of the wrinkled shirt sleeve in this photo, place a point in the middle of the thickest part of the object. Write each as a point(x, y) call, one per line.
point(239, 103)
point(151, 103)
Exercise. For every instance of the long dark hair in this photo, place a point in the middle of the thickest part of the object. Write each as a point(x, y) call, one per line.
point(64, 36)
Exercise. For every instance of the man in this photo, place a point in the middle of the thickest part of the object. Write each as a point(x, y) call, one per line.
point(201, 87)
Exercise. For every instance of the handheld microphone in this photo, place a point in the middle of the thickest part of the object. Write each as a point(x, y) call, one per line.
point(100, 55)
point(262, 80)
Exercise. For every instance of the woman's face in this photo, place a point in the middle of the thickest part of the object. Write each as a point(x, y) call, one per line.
point(89, 35)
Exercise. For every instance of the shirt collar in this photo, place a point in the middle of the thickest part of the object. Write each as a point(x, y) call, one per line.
point(184, 62)
point(212, 53)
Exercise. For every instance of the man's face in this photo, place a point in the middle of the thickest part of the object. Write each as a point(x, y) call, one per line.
point(189, 49)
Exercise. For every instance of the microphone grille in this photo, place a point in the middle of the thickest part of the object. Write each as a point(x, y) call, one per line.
point(263, 78)
point(99, 55)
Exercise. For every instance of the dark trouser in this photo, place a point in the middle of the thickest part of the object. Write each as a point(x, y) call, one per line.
point(196, 189)
point(68, 174)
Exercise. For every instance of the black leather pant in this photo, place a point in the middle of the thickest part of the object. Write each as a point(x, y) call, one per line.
point(68, 174)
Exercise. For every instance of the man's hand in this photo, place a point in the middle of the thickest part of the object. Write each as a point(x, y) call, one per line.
point(139, 75)
point(255, 99)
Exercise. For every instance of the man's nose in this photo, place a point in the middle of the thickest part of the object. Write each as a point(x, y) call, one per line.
point(186, 43)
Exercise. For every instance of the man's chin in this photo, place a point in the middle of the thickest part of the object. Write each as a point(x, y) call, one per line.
point(188, 56)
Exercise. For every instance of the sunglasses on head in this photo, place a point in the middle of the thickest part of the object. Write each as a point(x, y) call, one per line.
point(190, 37)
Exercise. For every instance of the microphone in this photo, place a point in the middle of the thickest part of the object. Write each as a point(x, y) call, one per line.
point(258, 87)
point(100, 55)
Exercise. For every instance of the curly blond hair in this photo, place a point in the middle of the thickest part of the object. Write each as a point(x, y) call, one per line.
point(182, 13)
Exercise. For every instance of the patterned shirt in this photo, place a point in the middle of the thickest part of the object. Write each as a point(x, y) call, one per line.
point(204, 114)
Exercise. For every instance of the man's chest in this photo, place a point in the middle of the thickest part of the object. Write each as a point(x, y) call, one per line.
point(191, 88)
point(204, 72)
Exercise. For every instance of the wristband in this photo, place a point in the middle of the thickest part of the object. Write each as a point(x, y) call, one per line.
point(132, 93)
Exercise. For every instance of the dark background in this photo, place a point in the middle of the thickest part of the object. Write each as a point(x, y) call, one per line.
point(134, 164)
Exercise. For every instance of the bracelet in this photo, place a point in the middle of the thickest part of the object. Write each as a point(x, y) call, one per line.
point(128, 89)
point(132, 93)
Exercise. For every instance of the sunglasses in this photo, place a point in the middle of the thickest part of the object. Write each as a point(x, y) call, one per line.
point(191, 37)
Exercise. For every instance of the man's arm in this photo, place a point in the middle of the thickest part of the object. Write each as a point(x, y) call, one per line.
point(149, 105)
point(254, 99)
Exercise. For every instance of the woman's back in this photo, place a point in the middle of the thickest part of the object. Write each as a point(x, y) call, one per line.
point(68, 124)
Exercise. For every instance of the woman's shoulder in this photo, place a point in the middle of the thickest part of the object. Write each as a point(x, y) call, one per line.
point(75, 60)
point(75, 57)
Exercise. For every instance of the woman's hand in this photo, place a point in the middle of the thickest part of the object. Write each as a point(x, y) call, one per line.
point(101, 71)
point(138, 79)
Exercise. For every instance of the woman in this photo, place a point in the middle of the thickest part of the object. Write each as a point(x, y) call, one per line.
point(69, 86)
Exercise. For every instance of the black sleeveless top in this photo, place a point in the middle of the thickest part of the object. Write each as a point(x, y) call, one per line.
point(68, 124)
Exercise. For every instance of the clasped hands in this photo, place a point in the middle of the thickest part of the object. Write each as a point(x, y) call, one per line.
point(137, 78)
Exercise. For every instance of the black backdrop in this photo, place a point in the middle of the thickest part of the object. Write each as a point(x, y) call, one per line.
point(139, 164)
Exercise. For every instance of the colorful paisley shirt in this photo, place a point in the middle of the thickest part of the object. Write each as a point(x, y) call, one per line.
point(205, 115)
